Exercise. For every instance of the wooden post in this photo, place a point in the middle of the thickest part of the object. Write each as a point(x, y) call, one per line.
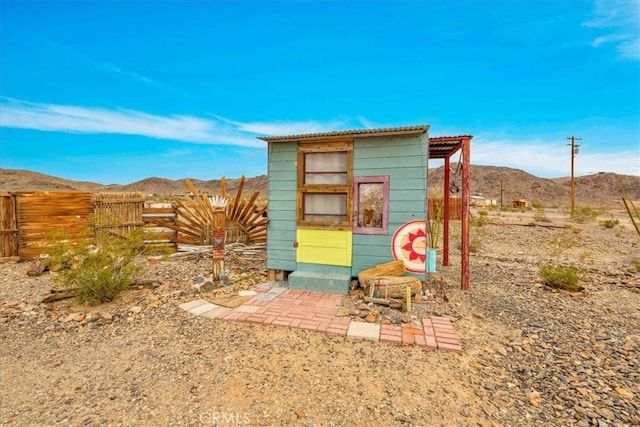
point(466, 179)
point(446, 213)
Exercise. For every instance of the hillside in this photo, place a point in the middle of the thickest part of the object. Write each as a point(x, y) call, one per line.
point(24, 180)
point(597, 190)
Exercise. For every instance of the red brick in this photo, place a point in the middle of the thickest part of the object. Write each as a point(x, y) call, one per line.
point(256, 318)
point(407, 339)
point(452, 348)
point(282, 321)
point(447, 340)
point(323, 326)
point(309, 325)
point(337, 331)
point(420, 340)
point(335, 325)
point(445, 334)
point(297, 315)
point(269, 320)
point(295, 323)
point(390, 330)
point(322, 318)
point(411, 329)
point(440, 320)
point(391, 339)
point(428, 331)
point(427, 322)
point(431, 342)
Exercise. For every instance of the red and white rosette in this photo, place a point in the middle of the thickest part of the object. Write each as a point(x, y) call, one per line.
point(409, 243)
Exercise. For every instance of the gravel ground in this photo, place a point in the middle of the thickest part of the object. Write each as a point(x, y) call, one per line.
point(532, 356)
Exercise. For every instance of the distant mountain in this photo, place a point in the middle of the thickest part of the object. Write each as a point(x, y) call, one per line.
point(602, 189)
point(24, 180)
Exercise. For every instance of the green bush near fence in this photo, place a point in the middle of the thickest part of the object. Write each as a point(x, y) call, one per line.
point(98, 268)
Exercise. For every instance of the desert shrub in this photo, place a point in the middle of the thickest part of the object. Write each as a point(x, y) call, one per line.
point(573, 229)
point(541, 216)
point(559, 276)
point(584, 214)
point(635, 262)
point(477, 235)
point(483, 213)
point(98, 267)
point(478, 221)
point(609, 222)
point(537, 204)
point(476, 239)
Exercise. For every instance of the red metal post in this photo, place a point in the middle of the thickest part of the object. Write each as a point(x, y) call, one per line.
point(446, 213)
point(466, 193)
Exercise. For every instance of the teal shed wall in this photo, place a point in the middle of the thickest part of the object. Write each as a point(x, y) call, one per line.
point(404, 160)
point(281, 232)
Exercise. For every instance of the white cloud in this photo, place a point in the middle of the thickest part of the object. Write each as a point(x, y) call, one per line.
point(284, 128)
point(549, 160)
point(621, 20)
point(74, 119)
point(536, 156)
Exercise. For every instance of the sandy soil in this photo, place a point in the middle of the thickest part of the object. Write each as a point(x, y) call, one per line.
point(532, 356)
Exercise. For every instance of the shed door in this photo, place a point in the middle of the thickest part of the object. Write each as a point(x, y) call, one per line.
point(330, 247)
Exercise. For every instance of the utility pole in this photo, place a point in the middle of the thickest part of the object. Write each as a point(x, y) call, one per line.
point(574, 151)
point(501, 191)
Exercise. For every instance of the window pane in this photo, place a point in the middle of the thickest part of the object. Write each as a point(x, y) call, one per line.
point(326, 168)
point(326, 178)
point(370, 204)
point(325, 207)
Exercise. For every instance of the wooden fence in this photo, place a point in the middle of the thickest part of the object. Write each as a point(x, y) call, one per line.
point(455, 207)
point(8, 226)
point(123, 209)
point(28, 219)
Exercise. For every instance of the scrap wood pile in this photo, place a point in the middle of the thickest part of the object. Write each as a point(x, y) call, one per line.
point(237, 252)
point(245, 219)
point(385, 282)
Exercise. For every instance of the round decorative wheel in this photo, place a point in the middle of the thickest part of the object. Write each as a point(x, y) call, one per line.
point(409, 243)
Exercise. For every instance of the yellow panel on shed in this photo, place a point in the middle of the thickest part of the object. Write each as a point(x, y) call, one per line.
point(331, 247)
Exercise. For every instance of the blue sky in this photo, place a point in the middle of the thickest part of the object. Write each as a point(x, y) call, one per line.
point(115, 92)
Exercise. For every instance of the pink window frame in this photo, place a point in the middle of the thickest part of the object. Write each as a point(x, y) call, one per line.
point(377, 179)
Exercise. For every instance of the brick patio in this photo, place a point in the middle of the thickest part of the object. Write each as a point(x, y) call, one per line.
point(316, 311)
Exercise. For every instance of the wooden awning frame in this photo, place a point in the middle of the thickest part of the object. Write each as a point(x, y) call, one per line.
point(445, 147)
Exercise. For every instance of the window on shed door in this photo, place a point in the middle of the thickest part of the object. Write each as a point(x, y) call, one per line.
point(324, 184)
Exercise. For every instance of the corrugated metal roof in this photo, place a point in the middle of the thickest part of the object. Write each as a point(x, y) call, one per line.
point(356, 133)
point(445, 146)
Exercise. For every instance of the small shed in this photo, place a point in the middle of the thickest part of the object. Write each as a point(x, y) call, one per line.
point(341, 202)
point(519, 203)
